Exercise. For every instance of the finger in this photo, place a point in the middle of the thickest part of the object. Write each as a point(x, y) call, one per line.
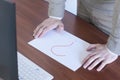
point(44, 31)
point(90, 60)
point(38, 33)
point(39, 26)
point(42, 25)
point(92, 47)
point(88, 56)
point(48, 28)
point(37, 29)
point(94, 64)
point(103, 64)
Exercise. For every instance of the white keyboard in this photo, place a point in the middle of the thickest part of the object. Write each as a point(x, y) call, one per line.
point(27, 70)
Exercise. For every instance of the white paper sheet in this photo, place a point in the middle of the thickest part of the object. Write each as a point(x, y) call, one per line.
point(63, 47)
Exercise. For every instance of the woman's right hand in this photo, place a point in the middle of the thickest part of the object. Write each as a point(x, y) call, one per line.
point(47, 25)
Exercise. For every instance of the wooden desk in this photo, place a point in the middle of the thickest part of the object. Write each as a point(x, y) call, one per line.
point(32, 12)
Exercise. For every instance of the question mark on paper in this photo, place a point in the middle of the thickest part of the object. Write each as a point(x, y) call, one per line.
point(60, 46)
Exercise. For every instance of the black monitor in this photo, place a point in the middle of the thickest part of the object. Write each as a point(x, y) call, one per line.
point(8, 50)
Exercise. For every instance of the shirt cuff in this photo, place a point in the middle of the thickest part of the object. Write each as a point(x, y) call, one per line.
point(60, 18)
point(109, 50)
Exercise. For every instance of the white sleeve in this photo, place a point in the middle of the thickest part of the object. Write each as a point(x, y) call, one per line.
point(60, 18)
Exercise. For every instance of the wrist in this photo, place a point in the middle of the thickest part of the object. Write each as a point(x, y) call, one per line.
point(109, 50)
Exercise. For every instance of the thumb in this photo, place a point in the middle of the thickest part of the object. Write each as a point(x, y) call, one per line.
point(60, 27)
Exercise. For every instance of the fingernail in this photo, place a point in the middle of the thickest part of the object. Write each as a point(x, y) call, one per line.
point(84, 67)
point(98, 70)
point(89, 68)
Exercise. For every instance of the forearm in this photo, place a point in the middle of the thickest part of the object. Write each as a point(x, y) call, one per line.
point(114, 39)
point(56, 8)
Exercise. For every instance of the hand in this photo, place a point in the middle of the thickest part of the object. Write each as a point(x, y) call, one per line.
point(99, 55)
point(48, 25)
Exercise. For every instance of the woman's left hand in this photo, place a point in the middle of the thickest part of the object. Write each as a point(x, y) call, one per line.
point(99, 54)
